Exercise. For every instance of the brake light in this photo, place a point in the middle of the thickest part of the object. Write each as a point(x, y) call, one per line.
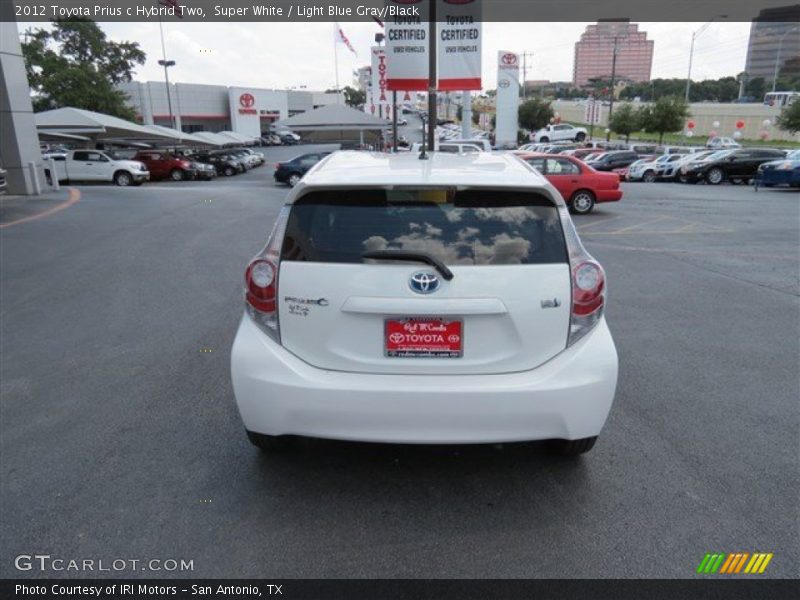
point(588, 283)
point(261, 281)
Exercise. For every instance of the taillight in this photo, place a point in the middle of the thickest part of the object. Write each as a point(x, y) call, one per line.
point(588, 283)
point(261, 280)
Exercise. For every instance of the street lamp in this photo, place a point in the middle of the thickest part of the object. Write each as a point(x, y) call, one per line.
point(778, 56)
point(167, 64)
point(695, 35)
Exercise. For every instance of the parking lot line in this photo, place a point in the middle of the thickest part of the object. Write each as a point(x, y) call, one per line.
point(583, 227)
point(696, 252)
point(656, 220)
point(74, 196)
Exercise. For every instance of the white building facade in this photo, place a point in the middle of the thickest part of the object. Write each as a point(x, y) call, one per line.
point(200, 107)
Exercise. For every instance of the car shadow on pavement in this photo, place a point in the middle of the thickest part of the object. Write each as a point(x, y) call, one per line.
point(366, 465)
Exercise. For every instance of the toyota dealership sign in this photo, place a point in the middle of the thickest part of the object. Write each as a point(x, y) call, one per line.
point(458, 45)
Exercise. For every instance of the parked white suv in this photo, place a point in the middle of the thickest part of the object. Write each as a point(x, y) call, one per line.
point(722, 143)
point(446, 300)
point(559, 133)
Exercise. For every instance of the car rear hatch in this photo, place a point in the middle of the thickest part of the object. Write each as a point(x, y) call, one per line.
point(506, 307)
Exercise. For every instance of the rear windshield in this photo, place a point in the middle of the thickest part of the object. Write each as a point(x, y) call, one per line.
point(466, 227)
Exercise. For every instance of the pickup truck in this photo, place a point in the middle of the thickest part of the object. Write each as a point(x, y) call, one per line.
point(163, 164)
point(95, 165)
point(560, 132)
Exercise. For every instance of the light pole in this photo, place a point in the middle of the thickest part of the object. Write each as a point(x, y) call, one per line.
point(695, 35)
point(167, 64)
point(778, 56)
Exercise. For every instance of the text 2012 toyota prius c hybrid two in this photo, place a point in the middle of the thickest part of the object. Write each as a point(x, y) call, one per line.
point(446, 300)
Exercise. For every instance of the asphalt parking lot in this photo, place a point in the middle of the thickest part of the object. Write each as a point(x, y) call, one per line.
point(120, 438)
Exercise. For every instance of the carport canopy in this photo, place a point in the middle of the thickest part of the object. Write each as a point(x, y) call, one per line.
point(181, 137)
point(214, 139)
point(94, 125)
point(237, 138)
point(334, 117)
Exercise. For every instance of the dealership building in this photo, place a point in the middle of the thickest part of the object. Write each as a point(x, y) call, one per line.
point(200, 107)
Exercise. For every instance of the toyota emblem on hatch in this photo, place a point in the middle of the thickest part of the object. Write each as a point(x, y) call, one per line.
point(424, 282)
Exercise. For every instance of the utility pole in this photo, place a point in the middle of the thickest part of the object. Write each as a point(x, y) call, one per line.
point(525, 55)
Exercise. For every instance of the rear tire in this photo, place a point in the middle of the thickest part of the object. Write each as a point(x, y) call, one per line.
point(582, 202)
point(580, 137)
point(177, 175)
point(649, 177)
point(572, 448)
point(293, 180)
point(544, 140)
point(269, 443)
point(229, 171)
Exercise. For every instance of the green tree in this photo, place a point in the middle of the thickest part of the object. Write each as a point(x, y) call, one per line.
point(755, 87)
point(535, 114)
point(353, 96)
point(665, 115)
point(625, 121)
point(75, 64)
point(789, 119)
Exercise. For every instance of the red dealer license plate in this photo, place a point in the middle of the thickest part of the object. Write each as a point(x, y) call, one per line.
point(424, 338)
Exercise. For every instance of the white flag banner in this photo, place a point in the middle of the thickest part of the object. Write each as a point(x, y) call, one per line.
point(341, 38)
point(407, 49)
point(380, 93)
point(458, 44)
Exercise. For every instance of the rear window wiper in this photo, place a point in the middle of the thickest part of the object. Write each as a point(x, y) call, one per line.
point(422, 257)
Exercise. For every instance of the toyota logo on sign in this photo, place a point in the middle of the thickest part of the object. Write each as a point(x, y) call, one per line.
point(509, 59)
point(247, 100)
point(504, 83)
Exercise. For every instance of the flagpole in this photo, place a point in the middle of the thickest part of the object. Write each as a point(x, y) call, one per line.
point(336, 59)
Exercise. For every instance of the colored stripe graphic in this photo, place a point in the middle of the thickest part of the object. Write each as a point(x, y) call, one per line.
point(733, 563)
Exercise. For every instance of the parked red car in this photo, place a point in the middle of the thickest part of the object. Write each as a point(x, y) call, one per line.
point(579, 184)
point(163, 165)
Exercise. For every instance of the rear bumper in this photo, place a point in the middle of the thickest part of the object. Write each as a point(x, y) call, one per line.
point(568, 397)
point(609, 195)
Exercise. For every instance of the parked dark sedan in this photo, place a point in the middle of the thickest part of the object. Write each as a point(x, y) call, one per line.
point(736, 165)
point(780, 172)
point(292, 171)
point(608, 161)
point(224, 164)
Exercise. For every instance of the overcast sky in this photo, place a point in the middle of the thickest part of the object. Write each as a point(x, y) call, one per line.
point(282, 55)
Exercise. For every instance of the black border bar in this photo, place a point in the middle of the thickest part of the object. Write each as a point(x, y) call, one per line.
point(417, 589)
point(369, 10)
